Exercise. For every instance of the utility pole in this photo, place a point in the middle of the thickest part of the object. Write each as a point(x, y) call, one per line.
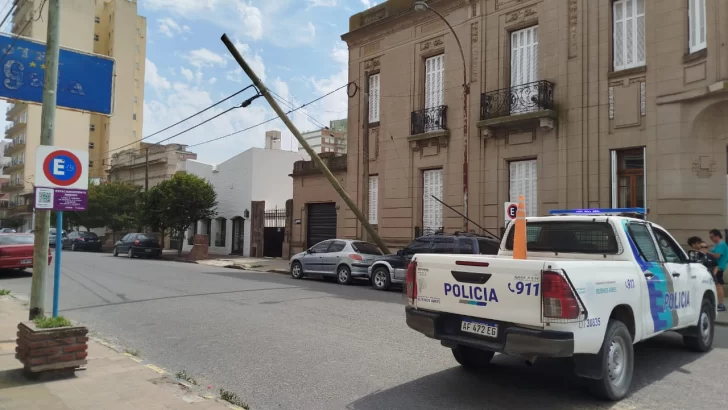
point(146, 170)
point(47, 123)
point(314, 156)
point(365, 153)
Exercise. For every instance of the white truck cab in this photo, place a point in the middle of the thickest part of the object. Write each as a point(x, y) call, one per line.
point(594, 283)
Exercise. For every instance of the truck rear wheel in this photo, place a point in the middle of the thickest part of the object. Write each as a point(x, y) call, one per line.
point(702, 340)
point(616, 359)
point(472, 358)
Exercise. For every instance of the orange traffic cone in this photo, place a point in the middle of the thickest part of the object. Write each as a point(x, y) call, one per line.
point(519, 235)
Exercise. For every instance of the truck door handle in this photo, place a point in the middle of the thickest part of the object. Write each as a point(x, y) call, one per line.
point(676, 275)
point(649, 275)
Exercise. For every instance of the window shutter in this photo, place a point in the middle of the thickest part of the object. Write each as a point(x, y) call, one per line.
point(629, 34)
point(696, 23)
point(434, 81)
point(431, 209)
point(640, 32)
point(373, 199)
point(374, 98)
point(524, 181)
point(524, 56)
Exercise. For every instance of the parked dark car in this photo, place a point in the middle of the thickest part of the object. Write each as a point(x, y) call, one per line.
point(392, 269)
point(138, 244)
point(82, 241)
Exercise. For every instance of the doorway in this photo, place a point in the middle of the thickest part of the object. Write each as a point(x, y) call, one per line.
point(238, 235)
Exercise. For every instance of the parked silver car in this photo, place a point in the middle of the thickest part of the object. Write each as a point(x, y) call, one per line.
point(340, 258)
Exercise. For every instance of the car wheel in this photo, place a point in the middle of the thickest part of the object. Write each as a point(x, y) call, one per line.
point(617, 363)
point(129, 254)
point(380, 278)
point(116, 251)
point(472, 358)
point(296, 270)
point(701, 338)
point(343, 275)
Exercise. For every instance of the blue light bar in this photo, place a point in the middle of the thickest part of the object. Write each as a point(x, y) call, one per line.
point(598, 211)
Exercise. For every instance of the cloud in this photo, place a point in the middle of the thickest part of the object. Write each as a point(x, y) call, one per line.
point(252, 20)
point(321, 3)
point(334, 106)
point(212, 81)
point(254, 60)
point(188, 74)
point(203, 57)
point(153, 78)
point(170, 28)
point(368, 3)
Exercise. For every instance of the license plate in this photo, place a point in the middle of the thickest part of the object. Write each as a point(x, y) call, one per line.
point(26, 261)
point(147, 250)
point(479, 328)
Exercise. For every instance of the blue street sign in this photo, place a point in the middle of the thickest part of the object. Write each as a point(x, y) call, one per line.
point(85, 81)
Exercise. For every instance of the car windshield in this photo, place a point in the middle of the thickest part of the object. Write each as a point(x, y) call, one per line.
point(568, 237)
point(16, 239)
point(88, 234)
point(366, 248)
point(147, 237)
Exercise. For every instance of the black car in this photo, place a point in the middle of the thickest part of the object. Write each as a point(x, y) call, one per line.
point(138, 244)
point(391, 269)
point(86, 241)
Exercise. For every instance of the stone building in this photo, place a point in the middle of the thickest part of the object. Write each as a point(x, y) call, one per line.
point(163, 162)
point(574, 104)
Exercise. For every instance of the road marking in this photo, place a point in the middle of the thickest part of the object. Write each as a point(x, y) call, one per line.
point(156, 369)
point(136, 359)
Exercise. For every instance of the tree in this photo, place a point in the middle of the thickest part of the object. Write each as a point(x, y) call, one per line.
point(112, 204)
point(178, 202)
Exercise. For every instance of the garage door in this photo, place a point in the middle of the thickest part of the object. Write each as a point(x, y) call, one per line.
point(321, 223)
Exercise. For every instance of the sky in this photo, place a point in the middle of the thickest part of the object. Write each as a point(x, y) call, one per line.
point(294, 46)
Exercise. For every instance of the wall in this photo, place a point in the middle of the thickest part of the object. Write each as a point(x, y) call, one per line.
point(314, 188)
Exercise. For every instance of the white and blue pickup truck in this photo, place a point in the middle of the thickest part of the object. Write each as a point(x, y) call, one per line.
point(594, 283)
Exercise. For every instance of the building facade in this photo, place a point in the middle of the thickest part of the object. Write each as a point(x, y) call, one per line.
point(573, 104)
point(149, 165)
point(328, 139)
point(107, 27)
point(252, 189)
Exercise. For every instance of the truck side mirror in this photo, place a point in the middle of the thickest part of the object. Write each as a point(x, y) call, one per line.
point(400, 252)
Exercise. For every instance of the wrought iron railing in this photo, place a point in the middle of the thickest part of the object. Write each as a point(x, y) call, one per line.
point(520, 99)
point(428, 120)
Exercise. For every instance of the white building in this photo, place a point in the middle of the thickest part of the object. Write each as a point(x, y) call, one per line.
point(254, 175)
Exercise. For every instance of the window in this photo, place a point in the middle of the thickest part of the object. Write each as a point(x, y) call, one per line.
point(96, 37)
point(90, 164)
point(465, 245)
point(629, 34)
point(524, 181)
point(97, 20)
point(642, 239)
point(136, 83)
point(373, 199)
point(486, 247)
point(133, 116)
point(92, 127)
point(90, 145)
point(696, 25)
point(221, 232)
point(628, 178)
point(137, 66)
point(374, 98)
point(568, 237)
point(320, 247)
point(133, 133)
point(672, 252)
point(442, 244)
point(431, 209)
point(366, 248)
point(337, 246)
point(420, 245)
point(136, 100)
point(434, 87)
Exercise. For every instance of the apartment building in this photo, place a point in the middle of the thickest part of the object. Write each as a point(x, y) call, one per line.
point(574, 104)
point(327, 139)
point(150, 164)
point(108, 27)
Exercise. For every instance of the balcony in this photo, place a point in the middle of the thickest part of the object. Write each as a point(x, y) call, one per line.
point(13, 110)
point(518, 107)
point(14, 147)
point(428, 124)
point(15, 209)
point(11, 129)
point(14, 166)
point(12, 186)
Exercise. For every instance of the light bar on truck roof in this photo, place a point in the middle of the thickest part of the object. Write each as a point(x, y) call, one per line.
point(599, 211)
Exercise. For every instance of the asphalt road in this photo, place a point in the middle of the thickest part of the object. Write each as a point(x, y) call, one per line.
point(285, 344)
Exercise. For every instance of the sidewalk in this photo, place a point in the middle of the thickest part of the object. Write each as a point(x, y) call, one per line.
point(111, 381)
point(722, 319)
point(275, 265)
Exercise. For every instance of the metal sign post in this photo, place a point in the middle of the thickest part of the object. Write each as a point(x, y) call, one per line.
point(61, 180)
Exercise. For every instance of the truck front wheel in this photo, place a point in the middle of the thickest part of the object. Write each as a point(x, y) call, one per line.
point(701, 338)
point(471, 358)
point(616, 359)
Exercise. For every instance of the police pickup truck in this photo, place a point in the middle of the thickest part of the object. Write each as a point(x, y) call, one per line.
point(594, 282)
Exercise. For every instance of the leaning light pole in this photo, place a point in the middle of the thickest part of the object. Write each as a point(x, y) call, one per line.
point(296, 133)
point(422, 6)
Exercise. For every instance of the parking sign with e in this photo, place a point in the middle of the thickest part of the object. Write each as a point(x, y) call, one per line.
point(61, 168)
point(510, 210)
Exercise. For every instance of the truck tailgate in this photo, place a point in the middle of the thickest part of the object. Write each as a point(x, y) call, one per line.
point(488, 287)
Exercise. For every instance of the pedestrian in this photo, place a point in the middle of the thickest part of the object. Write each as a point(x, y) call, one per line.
point(720, 252)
